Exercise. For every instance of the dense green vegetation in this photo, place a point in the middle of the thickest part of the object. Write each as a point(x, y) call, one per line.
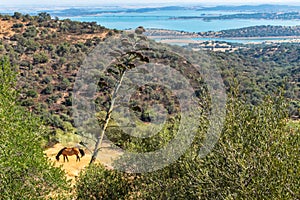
point(25, 172)
point(48, 53)
point(255, 31)
point(257, 155)
point(262, 69)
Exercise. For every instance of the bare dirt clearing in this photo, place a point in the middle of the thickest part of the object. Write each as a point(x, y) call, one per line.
point(73, 168)
point(5, 29)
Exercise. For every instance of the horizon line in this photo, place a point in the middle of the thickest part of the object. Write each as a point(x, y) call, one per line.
point(232, 4)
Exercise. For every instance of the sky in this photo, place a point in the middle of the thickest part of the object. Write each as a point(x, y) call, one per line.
point(26, 3)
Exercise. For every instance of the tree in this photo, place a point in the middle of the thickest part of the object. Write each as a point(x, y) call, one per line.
point(43, 16)
point(25, 172)
point(255, 157)
point(125, 62)
point(17, 15)
point(40, 58)
point(30, 32)
point(48, 89)
point(96, 182)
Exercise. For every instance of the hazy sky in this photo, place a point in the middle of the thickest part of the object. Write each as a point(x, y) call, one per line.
point(26, 3)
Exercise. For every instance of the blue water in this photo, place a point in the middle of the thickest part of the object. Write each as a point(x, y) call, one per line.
point(229, 40)
point(163, 20)
point(191, 25)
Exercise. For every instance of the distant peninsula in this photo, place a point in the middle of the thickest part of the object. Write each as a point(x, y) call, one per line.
point(255, 31)
point(268, 16)
point(247, 32)
point(258, 10)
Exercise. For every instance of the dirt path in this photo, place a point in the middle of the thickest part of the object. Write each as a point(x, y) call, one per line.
point(73, 168)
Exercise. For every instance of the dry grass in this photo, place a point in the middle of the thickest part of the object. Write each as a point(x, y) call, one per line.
point(5, 29)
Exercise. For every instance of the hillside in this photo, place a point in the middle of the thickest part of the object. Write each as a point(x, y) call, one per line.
point(174, 153)
point(48, 53)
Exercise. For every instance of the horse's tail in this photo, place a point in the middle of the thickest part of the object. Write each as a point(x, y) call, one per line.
point(81, 152)
point(59, 153)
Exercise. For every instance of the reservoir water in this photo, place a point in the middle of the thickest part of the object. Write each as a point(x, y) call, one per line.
point(123, 19)
point(163, 20)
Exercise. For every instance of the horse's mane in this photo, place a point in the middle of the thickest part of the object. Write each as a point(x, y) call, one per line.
point(59, 153)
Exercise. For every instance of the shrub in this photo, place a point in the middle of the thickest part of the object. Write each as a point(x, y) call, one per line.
point(68, 101)
point(31, 93)
point(27, 102)
point(52, 120)
point(30, 45)
point(6, 17)
point(48, 90)
point(30, 32)
point(25, 172)
point(100, 183)
point(40, 58)
point(47, 79)
point(17, 15)
point(257, 157)
point(64, 84)
point(2, 48)
point(18, 25)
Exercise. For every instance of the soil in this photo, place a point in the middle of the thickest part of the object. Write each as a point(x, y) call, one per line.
point(5, 29)
point(73, 168)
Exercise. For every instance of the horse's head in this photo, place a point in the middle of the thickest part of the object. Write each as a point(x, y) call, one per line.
point(59, 153)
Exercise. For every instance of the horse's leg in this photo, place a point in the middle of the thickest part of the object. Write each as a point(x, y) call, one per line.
point(64, 158)
point(78, 158)
point(67, 158)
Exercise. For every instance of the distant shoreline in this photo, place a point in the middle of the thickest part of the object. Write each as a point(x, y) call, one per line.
point(186, 41)
point(173, 36)
point(231, 38)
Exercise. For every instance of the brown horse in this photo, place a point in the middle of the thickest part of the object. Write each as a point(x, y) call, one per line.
point(70, 152)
